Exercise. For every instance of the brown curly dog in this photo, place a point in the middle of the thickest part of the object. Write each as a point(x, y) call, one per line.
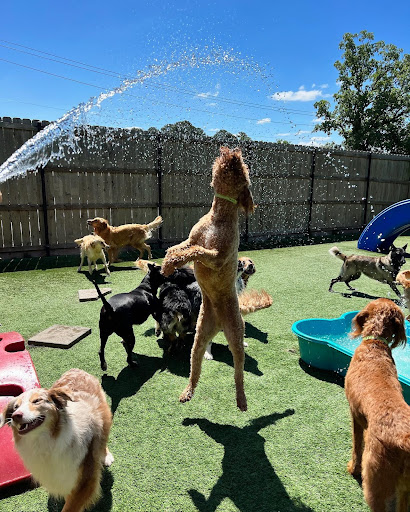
point(380, 416)
point(213, 247)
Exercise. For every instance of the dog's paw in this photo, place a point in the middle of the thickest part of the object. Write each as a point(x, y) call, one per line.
point(245, 344)
point(208, 356)
point(241, 402)
point(354, 470)
point(167, 268)
point(186, 395)
point(109, 459)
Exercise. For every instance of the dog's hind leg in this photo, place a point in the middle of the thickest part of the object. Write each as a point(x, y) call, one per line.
point(378, 485)
point(103, 338)
point(233, 327)
point(82, 257)
point(354, 466)
point(207, 327)
point(89, 266)
point(129, 342)
point(334, 281)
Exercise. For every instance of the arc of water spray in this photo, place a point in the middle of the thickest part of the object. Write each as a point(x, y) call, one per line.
point(35, 152)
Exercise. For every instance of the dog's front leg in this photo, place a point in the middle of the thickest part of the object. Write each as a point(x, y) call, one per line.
point(89, 266)
point(354, 466)
point(395, 289)
point(81, 262)
point(105, 264)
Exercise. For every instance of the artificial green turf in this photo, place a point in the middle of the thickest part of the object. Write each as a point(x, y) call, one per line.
point(287, 453)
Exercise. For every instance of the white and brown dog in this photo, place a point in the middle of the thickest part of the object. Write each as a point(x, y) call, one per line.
point(92, 247)
point(61, 434)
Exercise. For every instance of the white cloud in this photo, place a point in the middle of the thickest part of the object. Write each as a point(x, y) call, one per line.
point(213, 129)
point(206, 95)
point(211, 104)
point(318, 120)
point(264, 121)
point(283, 134)
point(300, 95)
point(315, 141)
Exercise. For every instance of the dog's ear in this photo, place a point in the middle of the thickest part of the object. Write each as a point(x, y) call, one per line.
point(245, 201)
point(399, 330)
point(79, 241)
point(60, 397)
point(358, 323)
point(392, 248)
point(5, 416)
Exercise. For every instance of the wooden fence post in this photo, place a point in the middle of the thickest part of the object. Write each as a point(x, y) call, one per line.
point(366, 197)
point(311, 190)
point(159, 184)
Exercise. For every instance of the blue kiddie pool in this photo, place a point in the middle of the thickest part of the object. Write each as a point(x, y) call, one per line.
point(325, 344)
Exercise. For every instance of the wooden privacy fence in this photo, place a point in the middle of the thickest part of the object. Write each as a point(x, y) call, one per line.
point(131, 176)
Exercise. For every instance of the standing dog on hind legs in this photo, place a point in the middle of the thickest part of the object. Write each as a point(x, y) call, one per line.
point(213, 247)
point(380, 416)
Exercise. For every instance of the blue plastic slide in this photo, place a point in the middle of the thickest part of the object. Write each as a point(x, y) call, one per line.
point(381, 231)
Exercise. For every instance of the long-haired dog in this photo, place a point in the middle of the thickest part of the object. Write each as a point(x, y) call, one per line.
point(92, 247)
point(61, 435)
point(380, 416)
point(403, 278)
point(123, 310)
point(116, 237)
point(380, 268)
point(213, 247)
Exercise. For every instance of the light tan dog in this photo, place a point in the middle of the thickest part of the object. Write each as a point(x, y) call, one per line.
point(213, 247)
point(380, 416)
point(92, 247)
point(116, 237)
point(61, 434)
point(403, 278)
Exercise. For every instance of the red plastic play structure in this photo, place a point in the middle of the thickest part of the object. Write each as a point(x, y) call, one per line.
point(17, 374)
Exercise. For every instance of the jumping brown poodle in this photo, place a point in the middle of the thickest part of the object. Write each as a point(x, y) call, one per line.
point(213, 247)
point(380, 416)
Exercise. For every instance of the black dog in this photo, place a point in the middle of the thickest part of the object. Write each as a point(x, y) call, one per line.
point(124, 310)
point(384, 269)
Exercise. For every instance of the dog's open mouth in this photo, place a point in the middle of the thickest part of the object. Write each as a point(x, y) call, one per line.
point(25, 428)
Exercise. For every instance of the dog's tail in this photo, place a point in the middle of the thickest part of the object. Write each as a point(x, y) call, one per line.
point(155, 224)
point(253, 300)
point(334, 251)
point(107, 305)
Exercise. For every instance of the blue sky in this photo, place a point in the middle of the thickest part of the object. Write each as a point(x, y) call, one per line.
point(277, 60)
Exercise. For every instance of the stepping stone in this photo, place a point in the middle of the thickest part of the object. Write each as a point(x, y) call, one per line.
point(91, 294)
point(59, 336)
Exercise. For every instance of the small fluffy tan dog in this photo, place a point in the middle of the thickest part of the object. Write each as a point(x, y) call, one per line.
point(213, 247)
point(117, 237)
point(403, 278)
point(61, 434)
point(92, 247)
point(380, 416)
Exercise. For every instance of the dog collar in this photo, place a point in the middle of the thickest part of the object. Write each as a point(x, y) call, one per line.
point(231, 199)
point(376, 338)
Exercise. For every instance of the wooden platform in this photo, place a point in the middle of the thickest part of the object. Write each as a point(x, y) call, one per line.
point(91, 294)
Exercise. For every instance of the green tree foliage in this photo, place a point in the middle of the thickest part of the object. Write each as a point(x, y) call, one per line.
point(183, 129)
point(372, 108)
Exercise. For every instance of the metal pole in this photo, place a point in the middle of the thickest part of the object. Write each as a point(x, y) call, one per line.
point(159, 184)
point(312, 181)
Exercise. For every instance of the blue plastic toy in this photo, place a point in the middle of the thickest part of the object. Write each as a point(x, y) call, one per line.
point(381, 232)
point(325, 344)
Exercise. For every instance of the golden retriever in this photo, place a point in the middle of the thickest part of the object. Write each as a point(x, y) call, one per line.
point(92, 247)
point(116, 237)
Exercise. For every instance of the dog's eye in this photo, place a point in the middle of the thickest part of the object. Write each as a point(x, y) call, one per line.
point(37, 401)
point(15, 406)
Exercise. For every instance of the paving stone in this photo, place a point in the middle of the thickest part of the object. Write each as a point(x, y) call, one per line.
point(91, 294)
point(59, 336)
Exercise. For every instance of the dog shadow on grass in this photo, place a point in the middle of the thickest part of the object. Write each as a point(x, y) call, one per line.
point(130, 380)
point(248, 478)
point(178, 361)
point(361, 295)
point(104, 504)
point(253, 332)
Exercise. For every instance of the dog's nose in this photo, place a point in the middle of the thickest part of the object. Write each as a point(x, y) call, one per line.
point(17, 416)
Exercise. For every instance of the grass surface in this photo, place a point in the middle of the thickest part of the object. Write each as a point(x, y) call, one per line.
point(287, 453)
